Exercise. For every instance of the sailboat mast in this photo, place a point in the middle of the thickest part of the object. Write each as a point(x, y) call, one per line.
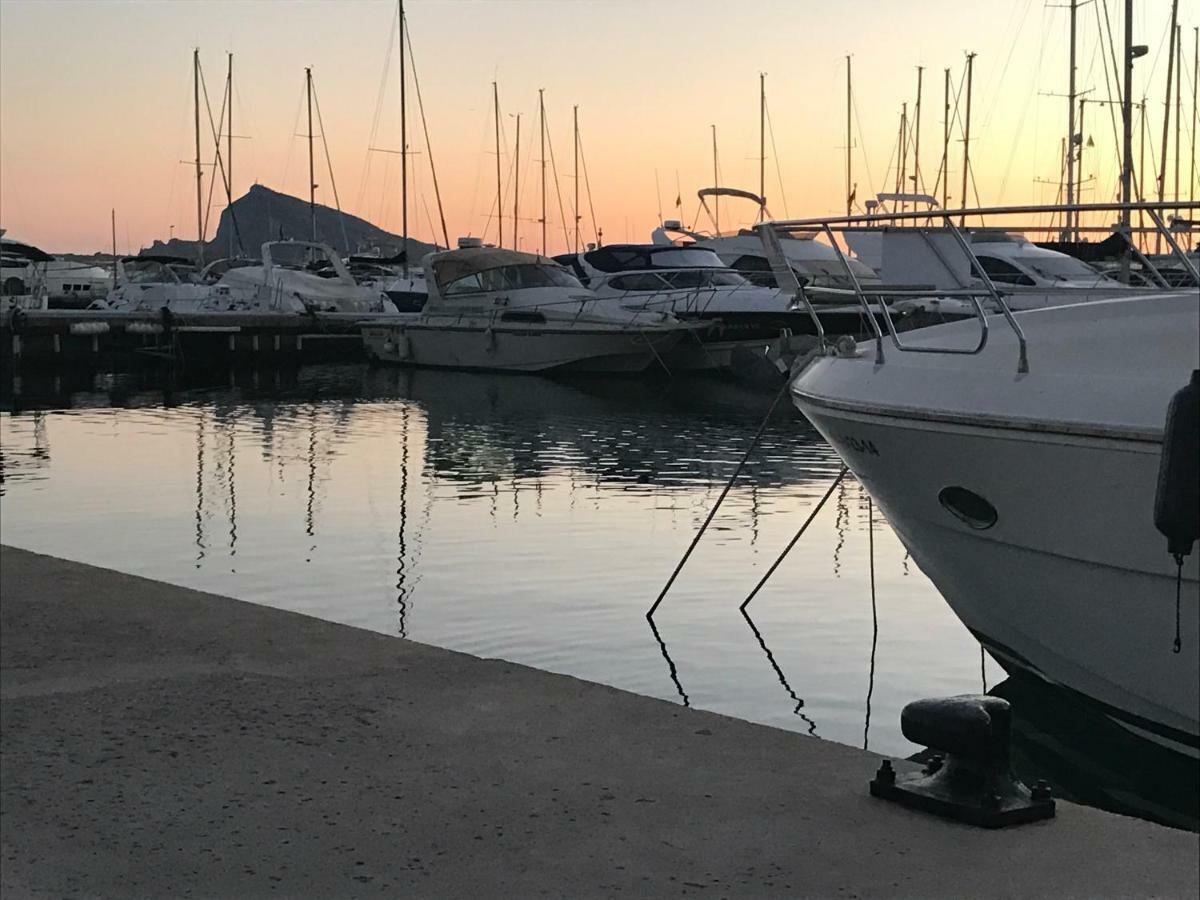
point(1178, 100)
point(1127, 139)
point(716, 183)
point(946, 139)
point(517, 187)
point(577, 216)
point(1195, 112)
point(917, 143)
point(403, 147)
point(1069, 224)
point(312, 179)
point(967, 137)
point(199, 171)
point(499, 190)
point(762, 145)
point(1079, 168)
point(902, 173)
point(229, 153)
point(542, 135)
point(1166, 137)
point(849, 133)
point(114, 245)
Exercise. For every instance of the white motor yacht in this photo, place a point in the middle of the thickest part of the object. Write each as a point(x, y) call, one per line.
point(692, 283)
point(502, 310)
point(1027, 496)
point(27, 271)
point(309, 275)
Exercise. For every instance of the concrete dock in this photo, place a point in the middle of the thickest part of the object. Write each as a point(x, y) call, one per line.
point(157, 741)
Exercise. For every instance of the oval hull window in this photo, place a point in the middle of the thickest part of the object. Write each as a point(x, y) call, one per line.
point(968, 506)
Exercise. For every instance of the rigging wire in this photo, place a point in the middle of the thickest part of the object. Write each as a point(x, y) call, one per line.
point(375, 119)
point(588, 187)
point(778, 168)
point(557, 188)
point(329, 166)
point(407, 37)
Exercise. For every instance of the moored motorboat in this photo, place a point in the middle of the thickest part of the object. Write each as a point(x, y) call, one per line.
point(502, 310)
point(1022, 479)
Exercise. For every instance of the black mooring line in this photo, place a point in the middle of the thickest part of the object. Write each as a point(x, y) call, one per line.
point(795, 538)
point(712, 512)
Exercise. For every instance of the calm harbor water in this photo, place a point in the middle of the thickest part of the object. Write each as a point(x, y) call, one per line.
point(510, 517)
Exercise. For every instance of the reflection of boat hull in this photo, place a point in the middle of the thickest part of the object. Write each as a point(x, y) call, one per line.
point(519, 348)
point(1045, 589)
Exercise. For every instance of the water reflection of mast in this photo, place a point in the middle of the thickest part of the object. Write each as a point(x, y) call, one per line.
point(839, 525)
point(401, 587)
point(232, 498)
point(200, 547)
point(874, 616)
point(309, 524)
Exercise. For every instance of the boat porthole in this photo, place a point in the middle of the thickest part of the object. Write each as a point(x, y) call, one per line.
point(968, 506)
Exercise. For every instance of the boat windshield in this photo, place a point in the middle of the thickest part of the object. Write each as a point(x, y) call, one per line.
point(152, 272)
point(512, 278)
point(302, 257)
point(1059, 268)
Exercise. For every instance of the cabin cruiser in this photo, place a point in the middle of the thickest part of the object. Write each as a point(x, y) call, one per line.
point(503, 310)
point(156, 282)
point(1021, 477)
point(692, 283)
point(308, 276)
point(26, 271)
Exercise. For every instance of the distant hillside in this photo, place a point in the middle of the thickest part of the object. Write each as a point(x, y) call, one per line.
point(265, 215)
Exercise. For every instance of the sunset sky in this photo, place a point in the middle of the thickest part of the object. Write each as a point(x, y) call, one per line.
point(96, 105)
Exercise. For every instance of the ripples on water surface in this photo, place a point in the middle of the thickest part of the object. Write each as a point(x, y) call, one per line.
point(507, 517)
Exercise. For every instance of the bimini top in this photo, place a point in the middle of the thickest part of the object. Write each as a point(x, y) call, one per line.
point(452, 266)
point(638, 257)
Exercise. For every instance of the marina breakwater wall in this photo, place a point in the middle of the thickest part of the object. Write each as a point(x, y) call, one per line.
point(49, 339)
point(159, 741)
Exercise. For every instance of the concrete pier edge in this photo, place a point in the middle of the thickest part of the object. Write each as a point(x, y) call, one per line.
point(160, 741)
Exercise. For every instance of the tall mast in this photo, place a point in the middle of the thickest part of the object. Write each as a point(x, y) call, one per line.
point(762, 144)
point(199, 171)
point(1178, 101)
point(114, 245)
point(403, 147)
point(946, 139)
point(849, 141)
point(1079, 168)
point(1162, 169)
point(1195, 113)
point(917, 144)
point(542, 131)
point(1069, 229)
point(1127, 137)
point(229, 154)
point(902, 174)
point(499, 190)
point(716, 183)
point(517, 187)
point(577, 216)
point(312, 179)
point(967, 137)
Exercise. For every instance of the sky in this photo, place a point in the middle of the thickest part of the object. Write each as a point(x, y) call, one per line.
point(96, 107)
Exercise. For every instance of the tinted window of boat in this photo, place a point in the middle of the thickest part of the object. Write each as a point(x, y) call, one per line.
point(638, 281)
point(468, 284)
point(688, 278)
point(749, 263)
point(725, 279)
point(1004, 273)
point(496, 279)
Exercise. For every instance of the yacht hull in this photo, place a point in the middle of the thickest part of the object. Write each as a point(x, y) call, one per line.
point(1072, 583)
point(519, 349)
